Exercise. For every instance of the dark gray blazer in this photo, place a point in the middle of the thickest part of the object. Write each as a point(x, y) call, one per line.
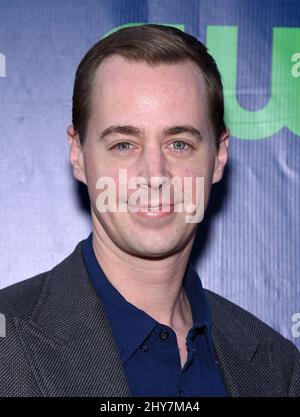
point(59, 342)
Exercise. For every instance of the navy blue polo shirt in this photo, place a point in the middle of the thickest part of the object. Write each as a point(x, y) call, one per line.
point(149, 350)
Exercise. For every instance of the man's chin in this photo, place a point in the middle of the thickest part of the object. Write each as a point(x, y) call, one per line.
point(154, 250)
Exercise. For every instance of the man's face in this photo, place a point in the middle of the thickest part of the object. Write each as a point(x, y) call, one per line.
point(151, 99)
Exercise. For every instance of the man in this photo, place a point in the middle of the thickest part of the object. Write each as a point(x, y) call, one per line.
point(125, 314)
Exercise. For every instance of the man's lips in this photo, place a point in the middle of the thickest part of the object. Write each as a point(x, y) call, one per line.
point(160, 208)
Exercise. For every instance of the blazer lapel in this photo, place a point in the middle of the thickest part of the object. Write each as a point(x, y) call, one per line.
point(68, 339)
point(247, 365)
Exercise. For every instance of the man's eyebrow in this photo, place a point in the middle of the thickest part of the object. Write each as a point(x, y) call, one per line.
point(135, 131)
point(123, 130)
point(177, 130)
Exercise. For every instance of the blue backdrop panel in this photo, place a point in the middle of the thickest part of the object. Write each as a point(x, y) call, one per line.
point(248, 246)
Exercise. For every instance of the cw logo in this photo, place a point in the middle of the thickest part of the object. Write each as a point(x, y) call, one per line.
point(282, 109)
point(2, 66)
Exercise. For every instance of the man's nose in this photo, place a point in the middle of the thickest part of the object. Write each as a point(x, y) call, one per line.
point(154, 165)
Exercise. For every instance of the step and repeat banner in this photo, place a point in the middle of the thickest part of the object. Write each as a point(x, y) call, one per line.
point(248, 246)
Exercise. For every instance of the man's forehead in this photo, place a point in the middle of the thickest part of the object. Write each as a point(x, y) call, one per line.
point(124, 94)
point(116, 68)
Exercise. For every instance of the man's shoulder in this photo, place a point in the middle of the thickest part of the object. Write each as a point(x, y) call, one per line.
point(228, 315)
point(21, 298)
point(243, 338)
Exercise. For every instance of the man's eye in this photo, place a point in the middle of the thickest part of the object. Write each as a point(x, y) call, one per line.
point(180, 146)
point(122, 146)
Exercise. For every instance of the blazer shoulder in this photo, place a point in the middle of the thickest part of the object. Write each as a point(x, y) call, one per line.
point(243, 329)
point(20, 299)
point(254, 326)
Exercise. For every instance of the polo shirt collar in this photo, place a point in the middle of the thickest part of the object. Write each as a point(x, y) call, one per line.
point(130, 325)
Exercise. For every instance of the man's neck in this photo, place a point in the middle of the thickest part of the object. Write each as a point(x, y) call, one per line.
point(152, 285)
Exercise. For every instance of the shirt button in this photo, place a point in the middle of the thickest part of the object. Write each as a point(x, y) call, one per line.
point(194, 351)
point(164, 334)
point(181, 393)
point(144, 348)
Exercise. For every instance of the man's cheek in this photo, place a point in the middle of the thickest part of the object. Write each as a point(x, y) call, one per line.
point(193, 194)
point(102, 186)
point(190, 183)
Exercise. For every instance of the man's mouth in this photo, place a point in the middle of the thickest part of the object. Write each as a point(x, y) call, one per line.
point(160, 208)
point(153, 212)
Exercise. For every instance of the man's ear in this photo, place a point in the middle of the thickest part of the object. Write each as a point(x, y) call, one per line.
point(76, 154)
point(221, 156)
